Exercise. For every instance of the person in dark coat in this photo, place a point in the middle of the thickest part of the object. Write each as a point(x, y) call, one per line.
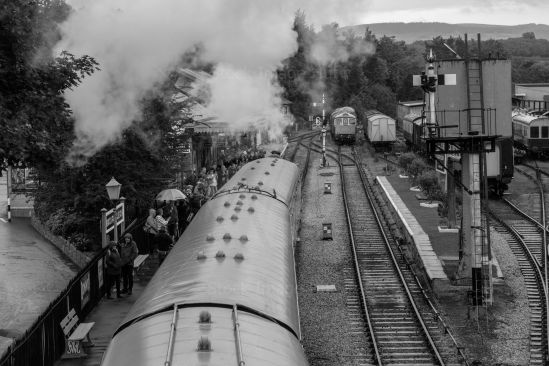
point(128, 253)
point(114, 268)
point(165, 244)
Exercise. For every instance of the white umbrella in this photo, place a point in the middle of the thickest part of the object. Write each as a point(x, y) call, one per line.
point(171, 194)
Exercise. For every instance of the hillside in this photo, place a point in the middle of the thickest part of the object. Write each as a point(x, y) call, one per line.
point(410, 32)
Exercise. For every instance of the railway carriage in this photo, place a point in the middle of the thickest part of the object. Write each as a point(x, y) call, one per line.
point(379, 128)
point(531, 132)
point(343, 124)
point(499, 163)
point(228, 285)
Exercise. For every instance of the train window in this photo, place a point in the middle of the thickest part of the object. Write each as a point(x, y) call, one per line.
point(544, 132)
point(534, 132)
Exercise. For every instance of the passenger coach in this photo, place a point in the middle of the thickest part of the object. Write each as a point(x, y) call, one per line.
point(531, 132)
point(343, 124)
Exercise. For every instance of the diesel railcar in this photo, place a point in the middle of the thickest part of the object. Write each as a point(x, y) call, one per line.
point(343, 124)
point(531, 132)
point(379, 129)
point(499, 164)
point(228, 287)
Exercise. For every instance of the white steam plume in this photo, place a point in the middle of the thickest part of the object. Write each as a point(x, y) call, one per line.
point(137, 41)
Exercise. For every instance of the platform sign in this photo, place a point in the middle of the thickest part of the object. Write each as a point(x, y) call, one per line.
point(84, 290)
point(119, 217)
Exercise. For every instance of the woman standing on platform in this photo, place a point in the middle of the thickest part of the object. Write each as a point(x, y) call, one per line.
point(114, 265)
point(128, 253)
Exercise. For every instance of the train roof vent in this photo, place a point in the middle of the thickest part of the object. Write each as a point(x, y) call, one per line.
point(267, 173)
point(253, 168)
point(240, 203)
point(219, 219)
point(239, 257)
point(260, 183)
point(210, 238)
point(251, 210)
point(227, 204)
point(220, 254)
point(242, 196)
point(254, 197)
point(258, 161)
point(204, 344)
point(237, 209)
point(205, 317)
point(227, 236)
point(243, 178)
point(244, 237)
point(234, 217)
point(273, 164)
point(201, 256)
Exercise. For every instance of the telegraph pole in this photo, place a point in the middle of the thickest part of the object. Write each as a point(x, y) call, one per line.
point(323, 132)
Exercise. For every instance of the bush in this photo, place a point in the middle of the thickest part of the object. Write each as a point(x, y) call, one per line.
point(417, 167)
point(428, 180)
point(405, 160)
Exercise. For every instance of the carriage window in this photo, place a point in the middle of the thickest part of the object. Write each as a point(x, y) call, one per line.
point(534, 132)
point(544, 132)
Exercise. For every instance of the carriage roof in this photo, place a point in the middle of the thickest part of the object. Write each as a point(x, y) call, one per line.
point(343, 111)
point(529, 119)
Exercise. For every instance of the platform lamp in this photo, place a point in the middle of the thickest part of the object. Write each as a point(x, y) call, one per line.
point(113, 190)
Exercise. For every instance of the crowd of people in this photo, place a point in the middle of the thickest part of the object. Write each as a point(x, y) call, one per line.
point(165, 224)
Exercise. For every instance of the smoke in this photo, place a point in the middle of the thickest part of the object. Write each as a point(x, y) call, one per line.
point(136, 43)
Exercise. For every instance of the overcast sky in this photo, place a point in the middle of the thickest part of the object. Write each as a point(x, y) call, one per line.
point(504, 12)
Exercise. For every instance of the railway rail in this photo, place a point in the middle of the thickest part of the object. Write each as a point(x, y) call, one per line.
point(527, 238)
point(402, 324)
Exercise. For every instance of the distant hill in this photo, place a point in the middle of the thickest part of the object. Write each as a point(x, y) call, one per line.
point(410, 32)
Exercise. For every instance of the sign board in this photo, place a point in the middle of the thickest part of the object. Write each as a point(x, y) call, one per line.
point(84, 290)
point(119, 217)
point(100, 272)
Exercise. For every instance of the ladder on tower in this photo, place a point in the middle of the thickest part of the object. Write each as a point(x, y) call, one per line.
point(475, 97)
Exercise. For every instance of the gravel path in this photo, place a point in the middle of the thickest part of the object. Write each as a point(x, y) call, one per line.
point(324, 319)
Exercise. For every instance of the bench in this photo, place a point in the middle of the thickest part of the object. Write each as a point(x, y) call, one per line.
point(75, 333)
point(137, 262)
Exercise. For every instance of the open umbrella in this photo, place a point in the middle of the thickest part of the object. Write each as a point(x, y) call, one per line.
point(171, 194)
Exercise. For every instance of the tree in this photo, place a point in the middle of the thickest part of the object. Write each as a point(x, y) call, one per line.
point(36, 124)
point(529, 35)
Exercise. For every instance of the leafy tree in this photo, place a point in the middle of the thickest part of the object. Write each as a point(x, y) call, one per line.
point(36, 124)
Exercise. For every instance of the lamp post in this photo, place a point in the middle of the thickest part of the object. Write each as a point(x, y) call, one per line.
point(113, 190)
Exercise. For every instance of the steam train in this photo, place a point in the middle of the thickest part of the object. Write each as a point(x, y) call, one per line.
point(499, 164)
point(531, 132)
point(343, 124)
point(226, 293)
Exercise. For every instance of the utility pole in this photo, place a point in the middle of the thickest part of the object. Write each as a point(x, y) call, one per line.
point(323, 132)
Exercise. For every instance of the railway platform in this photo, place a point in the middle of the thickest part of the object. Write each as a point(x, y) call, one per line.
point(438, 251)
point(108, 315)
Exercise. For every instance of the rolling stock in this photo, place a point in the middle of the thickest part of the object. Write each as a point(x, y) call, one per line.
point(379, 128)
point(500, 163)
point(343, 124)
point(531, 132)
point(228, 285)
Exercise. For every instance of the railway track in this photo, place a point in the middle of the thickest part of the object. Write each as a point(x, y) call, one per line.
point(402, 325)
point(526, 238)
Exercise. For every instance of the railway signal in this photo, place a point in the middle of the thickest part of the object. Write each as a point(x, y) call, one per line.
point(472, 145)
point(323, 130)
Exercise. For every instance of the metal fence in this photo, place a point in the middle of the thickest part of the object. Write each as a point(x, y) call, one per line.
point(44, 342)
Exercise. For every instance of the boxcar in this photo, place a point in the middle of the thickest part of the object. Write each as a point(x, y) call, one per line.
point(343, 124)
point(379, 128)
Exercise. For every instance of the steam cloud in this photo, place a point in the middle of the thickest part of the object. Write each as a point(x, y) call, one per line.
point(136, 42)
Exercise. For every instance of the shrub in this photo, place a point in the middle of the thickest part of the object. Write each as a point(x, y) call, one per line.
point(428, 180)
point(417, 167)
point(405, 160)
